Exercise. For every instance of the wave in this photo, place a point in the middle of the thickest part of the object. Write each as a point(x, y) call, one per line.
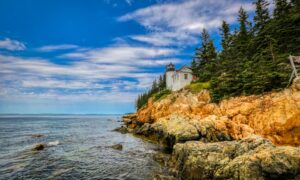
point(53, 143)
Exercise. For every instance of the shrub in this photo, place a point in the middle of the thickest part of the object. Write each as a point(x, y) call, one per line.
point(160, 95)
point(198, 87)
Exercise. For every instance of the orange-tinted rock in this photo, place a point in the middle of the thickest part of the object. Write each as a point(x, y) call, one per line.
point(274, 115)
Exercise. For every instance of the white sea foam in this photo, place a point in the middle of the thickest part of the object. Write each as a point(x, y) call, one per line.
point(53, 143)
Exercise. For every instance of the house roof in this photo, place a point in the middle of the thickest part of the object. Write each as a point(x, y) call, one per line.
point(184, 66)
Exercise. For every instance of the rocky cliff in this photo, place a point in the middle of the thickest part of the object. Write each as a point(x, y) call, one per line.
point(237, 138)
point(274, 115)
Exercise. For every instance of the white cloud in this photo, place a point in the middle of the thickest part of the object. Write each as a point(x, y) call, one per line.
point(132, 56)
point(50, 48)
point(12, 45)
point(118, 71)
point(166, 38)
point(81, 69)
point(184, 19)
point(53, 83)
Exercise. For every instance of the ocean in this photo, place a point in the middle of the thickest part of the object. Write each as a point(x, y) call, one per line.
point(77, 147)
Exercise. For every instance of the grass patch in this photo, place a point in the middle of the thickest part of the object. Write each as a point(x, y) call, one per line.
point(198, 87)
point(160, 95)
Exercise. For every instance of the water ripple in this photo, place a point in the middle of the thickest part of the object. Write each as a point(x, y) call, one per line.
point(76, 148)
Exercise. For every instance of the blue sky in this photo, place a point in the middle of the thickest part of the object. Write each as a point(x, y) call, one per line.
point(95, 56)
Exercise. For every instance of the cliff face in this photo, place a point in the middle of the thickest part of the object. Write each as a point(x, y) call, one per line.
point(229, 140)
point(275, 115)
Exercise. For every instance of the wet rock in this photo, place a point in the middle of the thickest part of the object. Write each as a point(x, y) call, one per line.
point(39, 147)
point(250, 158)
point(121, 129)
point(163, 177)
point(174, 129)
point(212, 128)
point(128, 118)
point(169, 130)
point(161, 158)
point(117, 147)
point(145, 130)
point(37, 135)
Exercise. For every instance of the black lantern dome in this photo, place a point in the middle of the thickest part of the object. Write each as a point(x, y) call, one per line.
point(170, 67)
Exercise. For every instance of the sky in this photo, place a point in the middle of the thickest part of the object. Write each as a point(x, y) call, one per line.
point(96, 56)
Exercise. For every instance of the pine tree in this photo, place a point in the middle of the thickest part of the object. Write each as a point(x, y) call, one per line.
point(194, 66)
point(161, 83)
point(243, 33)
point(295, 4)
point(243, 36)
point(262, 16)
point(225, 33)
point(154, 87)
point(205, 56)
point(281, 8)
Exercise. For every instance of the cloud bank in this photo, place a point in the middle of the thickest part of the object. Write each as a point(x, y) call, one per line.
point(179, 23)
point(118, 72)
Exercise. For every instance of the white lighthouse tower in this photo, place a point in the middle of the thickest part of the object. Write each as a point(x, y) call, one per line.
point(170, 72)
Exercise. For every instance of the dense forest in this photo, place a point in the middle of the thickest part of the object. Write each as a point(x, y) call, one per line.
point(254, 57)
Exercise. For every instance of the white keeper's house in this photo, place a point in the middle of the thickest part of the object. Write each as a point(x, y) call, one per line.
point(178, 79)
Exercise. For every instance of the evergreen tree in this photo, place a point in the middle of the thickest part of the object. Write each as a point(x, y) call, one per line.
point(281, 8)
point(204, 50)
point(261, 17)
point(225, 33)
point(194, 66)
point(243, 32)
point(154, 88)
point(295, 4)
point(161, 83)
point(204, 58)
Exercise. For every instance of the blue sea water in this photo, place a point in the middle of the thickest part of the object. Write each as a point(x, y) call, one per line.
point(77, 147)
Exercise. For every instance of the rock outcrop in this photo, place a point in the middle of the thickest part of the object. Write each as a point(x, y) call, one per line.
point(274, 115)
point(250, 158)
point(246, 137)
point(177, 128)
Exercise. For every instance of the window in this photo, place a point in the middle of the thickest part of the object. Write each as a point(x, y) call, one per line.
point(185, 76)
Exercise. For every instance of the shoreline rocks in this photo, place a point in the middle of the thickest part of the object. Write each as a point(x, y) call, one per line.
point(250, 158)
point(239, 138)
point(205, 150)
point(122, 130)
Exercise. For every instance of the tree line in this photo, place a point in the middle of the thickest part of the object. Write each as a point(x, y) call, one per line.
point(157, 86)
point(254, 57)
